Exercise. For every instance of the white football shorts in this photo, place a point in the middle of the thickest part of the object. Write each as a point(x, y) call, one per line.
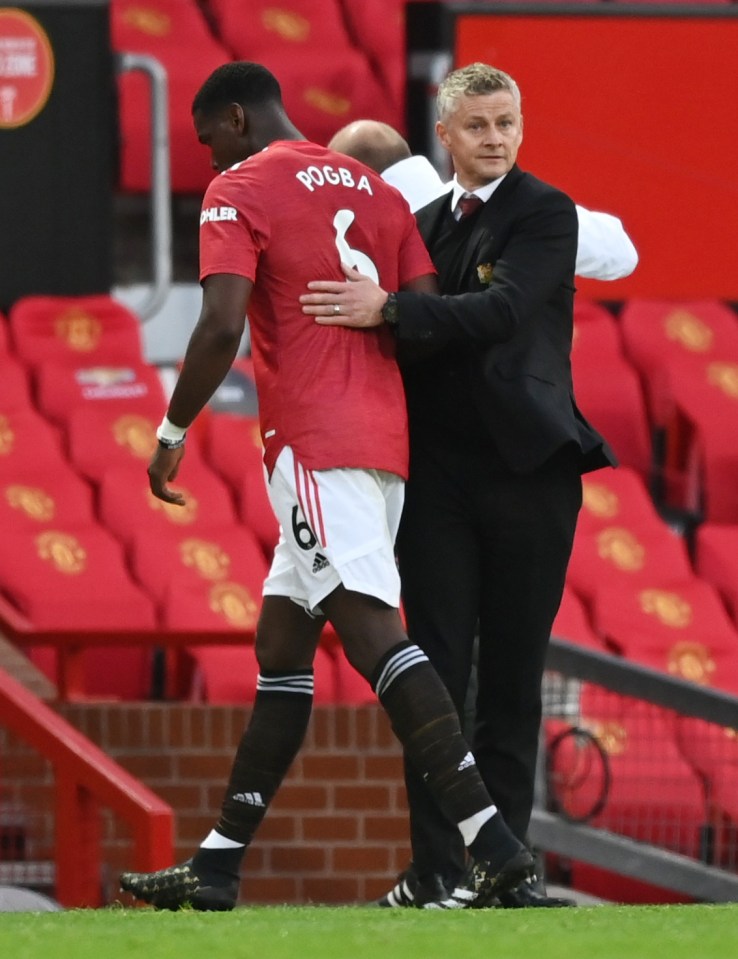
point(337, 526)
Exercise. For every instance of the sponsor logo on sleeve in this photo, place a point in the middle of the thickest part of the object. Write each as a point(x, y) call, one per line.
point(218, 214)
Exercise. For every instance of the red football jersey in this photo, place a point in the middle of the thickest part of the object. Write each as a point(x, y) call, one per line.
point(291, 214)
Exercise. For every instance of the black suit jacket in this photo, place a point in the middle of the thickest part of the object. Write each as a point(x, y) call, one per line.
point(513, 286)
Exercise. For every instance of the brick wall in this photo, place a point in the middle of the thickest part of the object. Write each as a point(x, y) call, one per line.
point(337, 831)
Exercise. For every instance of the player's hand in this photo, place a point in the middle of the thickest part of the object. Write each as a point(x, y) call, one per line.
point(357, 302)
point(163, 468)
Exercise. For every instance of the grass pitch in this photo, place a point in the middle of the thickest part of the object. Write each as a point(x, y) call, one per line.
point(321, 932)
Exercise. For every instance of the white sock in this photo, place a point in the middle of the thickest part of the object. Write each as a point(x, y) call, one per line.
point(470, 827)
point(214, 840)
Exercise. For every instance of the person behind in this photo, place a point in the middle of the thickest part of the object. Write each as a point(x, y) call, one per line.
point(604, 249)
point(334, 428)
point(497, 448)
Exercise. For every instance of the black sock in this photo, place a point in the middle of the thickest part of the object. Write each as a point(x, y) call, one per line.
point(265, 753)
point(215, 865)
point(426, 723)
point(495, 843)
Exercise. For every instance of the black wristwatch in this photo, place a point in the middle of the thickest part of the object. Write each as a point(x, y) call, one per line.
point(391, 311)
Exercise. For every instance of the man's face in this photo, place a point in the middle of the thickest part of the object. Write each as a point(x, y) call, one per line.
point(483, 136)
point(223, 132)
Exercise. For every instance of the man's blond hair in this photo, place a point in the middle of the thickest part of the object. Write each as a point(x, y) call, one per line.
point(477, 79)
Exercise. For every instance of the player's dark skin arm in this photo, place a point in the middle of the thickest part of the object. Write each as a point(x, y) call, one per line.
point(210, 353)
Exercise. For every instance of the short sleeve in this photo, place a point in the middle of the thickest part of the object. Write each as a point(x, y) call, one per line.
point(233, 227)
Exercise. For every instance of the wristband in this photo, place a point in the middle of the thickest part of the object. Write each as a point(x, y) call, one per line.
point(171, 437)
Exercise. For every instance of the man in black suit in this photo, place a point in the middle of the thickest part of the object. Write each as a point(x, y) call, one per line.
point(497, 449)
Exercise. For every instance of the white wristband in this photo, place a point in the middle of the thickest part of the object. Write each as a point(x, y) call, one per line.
point(169, 434)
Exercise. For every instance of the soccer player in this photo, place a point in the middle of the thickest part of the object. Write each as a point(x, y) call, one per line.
point(333, 423)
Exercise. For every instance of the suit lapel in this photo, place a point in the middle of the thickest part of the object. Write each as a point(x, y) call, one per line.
point(430, 219)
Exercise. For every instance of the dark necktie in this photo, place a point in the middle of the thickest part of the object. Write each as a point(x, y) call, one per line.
point(469, 205)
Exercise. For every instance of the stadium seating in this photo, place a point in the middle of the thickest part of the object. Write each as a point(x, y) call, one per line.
point(133, 387)
point(159, 559)
point(716, 561)
point(103, 436)
point(80, 331)
point(232, 445)
point(617, 497)
point(633, 780)
point(607, 388)
point(712, 751)
point(74, 578)
point(14, 389)
point(701, 455)
point(177, 34)
point(321, 93)
point(227, 674)
point(572, 623)
point(681, 629)
point(622, 552)
point(377, 27)
point(126, 504)
point(658, 333)
point(31, 497)
point(28, 441)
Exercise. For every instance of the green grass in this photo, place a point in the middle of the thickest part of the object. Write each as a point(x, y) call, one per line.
point(319, 932)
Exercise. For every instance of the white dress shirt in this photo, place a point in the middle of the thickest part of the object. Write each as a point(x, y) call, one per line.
point(604, 252)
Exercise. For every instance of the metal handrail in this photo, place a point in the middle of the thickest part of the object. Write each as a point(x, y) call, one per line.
point(160, 193)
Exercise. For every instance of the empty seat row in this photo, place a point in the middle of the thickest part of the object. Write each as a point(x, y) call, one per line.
point(362, 76)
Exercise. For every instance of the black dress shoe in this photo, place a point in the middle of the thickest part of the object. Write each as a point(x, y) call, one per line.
point(529, 894)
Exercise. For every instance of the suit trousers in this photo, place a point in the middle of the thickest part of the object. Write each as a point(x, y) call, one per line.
point(483, 548)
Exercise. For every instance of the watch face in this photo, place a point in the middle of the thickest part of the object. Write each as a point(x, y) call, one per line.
point(389, 310)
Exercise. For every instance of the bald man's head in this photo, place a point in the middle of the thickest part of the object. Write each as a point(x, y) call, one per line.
point(376, 144)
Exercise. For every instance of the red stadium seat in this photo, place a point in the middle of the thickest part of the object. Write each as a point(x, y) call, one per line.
point(102, 436)
point(701, 455)
point(378, 28)
point(126, 504)
point(596, 334)
point(623, 553)
point(62, 388)
point(14, 392)
point(681, 629)
point(572, 623)
point(78, 330)
point(232, 445)
point(27, 441)
point(321, 93)
point(161, 560)
point(657, 333)
point(712, 751)
point(33, 497)
point(75, 578)
point(255, 511)
point(607, 388)
point(652, 794)
point(617, 497)
point(176, 33)
point(716, 560)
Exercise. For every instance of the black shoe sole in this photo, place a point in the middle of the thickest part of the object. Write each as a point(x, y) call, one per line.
point(202, 898)
point(511, 875)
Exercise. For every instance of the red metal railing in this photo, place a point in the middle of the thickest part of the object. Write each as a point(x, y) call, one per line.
point(85, 780)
